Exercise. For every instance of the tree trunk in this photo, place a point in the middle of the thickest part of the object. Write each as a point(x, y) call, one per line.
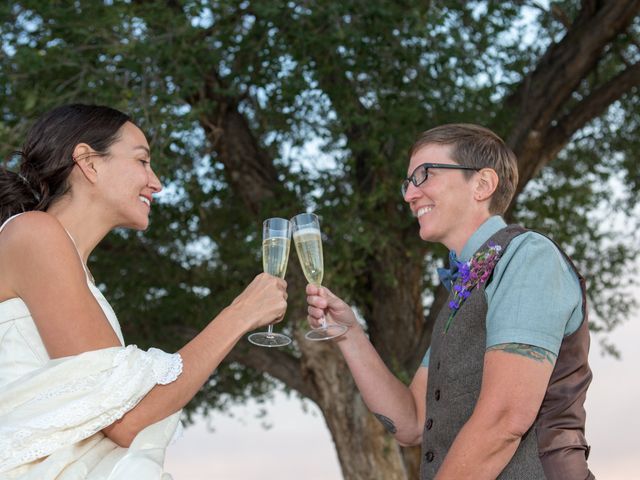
point(543, 104)
point(396, 318)
point(394, 307)
point(365, 450)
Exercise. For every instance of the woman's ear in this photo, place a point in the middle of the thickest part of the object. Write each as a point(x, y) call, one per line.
point(84, 156)
point(486, 184)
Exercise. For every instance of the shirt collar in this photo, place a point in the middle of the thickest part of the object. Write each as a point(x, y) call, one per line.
point(481, 235)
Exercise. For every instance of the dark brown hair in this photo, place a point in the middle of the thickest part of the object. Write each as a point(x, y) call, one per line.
point(46, 158)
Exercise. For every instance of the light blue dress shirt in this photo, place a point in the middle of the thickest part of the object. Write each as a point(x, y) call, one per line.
point(534, 295)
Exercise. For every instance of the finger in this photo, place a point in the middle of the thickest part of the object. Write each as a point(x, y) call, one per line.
point(316, 301)
point(281, 286)
point(325, 292)
point(329, 295)
point(333, 302)
point(314, 322)
point(268, 276)
point(315, 312)
point(312, 289)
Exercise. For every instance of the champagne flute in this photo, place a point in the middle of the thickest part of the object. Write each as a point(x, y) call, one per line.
point(276, 241)
point(306, 236)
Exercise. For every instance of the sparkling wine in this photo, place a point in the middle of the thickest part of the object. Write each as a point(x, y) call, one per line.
point(309, 247)
point(275, 255)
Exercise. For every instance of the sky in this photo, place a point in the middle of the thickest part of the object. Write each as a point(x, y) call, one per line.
point(298, 444)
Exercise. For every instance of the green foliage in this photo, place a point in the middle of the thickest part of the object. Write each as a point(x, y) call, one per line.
point(334, 93)
point(586, 200)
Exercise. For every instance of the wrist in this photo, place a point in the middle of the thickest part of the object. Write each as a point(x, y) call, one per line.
point(353, 334)
point(234, 316)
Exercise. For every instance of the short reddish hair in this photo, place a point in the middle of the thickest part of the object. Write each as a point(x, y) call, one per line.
point(477, 147)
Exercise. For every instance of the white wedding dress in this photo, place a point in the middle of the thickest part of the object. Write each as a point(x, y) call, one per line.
point(52, 411)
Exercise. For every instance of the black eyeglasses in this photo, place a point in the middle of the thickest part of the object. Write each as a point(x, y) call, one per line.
point(421, 173)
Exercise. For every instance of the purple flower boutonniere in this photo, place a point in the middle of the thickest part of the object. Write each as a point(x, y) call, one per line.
point(474, 272)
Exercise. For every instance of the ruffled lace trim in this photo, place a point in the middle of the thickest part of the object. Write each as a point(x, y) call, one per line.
point(166, 367)
point(67, 413)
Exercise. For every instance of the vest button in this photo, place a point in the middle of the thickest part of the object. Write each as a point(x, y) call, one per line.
point(429, 424)
point(438, 365)
point(429, 456)
point(437, 395)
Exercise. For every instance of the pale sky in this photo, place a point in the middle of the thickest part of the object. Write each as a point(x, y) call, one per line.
point(299, 445)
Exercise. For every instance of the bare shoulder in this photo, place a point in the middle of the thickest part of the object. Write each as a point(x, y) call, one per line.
point(30, 231)
point(42, 267)
point(30, 242)
point(30, 225)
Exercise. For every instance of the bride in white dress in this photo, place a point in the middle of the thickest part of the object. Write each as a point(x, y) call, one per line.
point(75, 402)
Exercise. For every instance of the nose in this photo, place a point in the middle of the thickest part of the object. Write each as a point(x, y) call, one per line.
point(154, 182)
point(412, 193)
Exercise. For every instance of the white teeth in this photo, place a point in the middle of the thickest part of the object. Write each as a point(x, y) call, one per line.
point(145, 200)
point(422, 211)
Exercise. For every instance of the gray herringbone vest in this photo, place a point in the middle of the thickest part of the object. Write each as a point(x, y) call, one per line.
point(455, 375)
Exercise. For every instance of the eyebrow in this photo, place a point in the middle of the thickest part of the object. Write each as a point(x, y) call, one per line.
point(142, 147)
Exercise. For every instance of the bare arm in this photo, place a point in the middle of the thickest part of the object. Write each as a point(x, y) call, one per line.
point(400, 409)
point(43, 268)
point(514, 382)
point(263, 302)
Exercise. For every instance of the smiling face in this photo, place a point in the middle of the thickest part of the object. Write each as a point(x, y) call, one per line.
point(445, 204)
point(127, 181)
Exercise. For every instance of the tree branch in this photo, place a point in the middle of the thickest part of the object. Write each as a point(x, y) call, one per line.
point(591, 107)
point(542, 96)
point(565, 64)
point(250, 170)
point(596, 104)
point(560, 15)
point(332, 79)
point(279, 364)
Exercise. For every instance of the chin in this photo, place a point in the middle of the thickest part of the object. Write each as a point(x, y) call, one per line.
point(429, 236)
point(425, 234)
point(140, 225)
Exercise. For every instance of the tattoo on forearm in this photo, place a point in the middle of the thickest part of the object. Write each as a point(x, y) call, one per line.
point(387, 423)
point(535, 353)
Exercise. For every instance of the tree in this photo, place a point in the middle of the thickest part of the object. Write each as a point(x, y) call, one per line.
point(257, 109)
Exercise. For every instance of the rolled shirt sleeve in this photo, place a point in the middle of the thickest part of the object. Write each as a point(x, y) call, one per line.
point(534, 296)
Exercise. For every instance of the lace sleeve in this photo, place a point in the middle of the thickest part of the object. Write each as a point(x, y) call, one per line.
point(74, 397)
point(166, 367)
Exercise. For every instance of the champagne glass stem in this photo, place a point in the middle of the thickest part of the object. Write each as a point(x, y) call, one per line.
point(308, 242)
point(276, 237)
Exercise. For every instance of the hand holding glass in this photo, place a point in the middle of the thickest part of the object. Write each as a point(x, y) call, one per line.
point(308, 241)
point(276, 242)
